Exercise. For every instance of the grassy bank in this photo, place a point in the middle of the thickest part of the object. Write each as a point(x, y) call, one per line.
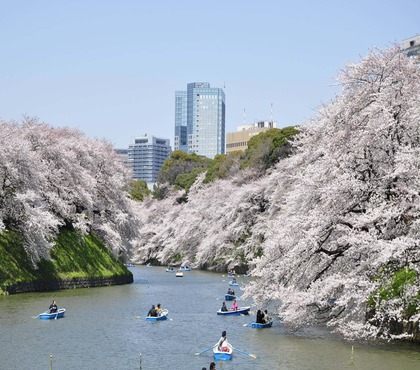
point(73, 256)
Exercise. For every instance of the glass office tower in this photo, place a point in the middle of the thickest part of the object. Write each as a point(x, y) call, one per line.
point(202, 109)
point(181, 136)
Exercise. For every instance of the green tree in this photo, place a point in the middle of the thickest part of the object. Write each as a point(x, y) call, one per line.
point(138, 190)
point(180, 163)
point(267, 148)
point(223, 166)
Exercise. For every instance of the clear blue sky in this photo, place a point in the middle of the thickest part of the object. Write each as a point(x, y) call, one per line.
point(111, 68)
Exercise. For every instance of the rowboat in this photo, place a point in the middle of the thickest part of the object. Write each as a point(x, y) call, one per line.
point(170, 270)
point(179, 274)
point(184, 268)
point(162, 316)
point(239, 311)
point(53, 315)
point(223, 355)
point(230, 297)
point(233, 283)
point(256, 325)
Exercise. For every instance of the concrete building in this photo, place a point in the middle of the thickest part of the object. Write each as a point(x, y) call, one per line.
point(146, 156)
point(200, 120)
point(411, 45)
point(238, 141)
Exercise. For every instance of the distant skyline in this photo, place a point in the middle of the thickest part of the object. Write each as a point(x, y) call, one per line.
point(111, 68)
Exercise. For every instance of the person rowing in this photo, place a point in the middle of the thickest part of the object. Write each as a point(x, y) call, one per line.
point(53, 307)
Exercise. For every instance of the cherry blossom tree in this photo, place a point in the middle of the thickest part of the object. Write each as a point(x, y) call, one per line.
point(353, 207)
point(56, 177)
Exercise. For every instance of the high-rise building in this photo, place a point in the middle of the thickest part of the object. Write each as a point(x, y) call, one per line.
point(238, 141)
point(146, 156)
point(200, 120)
point(181, 136)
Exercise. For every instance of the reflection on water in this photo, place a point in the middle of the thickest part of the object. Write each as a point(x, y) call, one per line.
point(104, 328)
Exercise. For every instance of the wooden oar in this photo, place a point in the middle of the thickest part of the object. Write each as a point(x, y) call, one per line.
point(245, 353)
point(208, 349)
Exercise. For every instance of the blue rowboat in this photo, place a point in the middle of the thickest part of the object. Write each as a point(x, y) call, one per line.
point(262, 326)
point(162, 316)
point(223, 355)
point(53, 315)
point(239, 311)
point(184, 268)
point(230, 297)
point(233, 283)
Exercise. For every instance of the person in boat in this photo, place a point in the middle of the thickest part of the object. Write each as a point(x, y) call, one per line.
point(159, 309)
point(222, 344)
point(234, 306)
point(260, 316)
point(212, 366)
point(230, 292)
point(224, 308)
point(152, 312)
point(53, 307)
point(266, 319)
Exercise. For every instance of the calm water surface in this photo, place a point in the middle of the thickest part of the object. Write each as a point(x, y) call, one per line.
point(104, 328)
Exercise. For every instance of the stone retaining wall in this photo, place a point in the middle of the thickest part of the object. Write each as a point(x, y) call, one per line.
point(58, 284)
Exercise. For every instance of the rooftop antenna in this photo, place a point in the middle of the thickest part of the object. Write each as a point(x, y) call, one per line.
point(244, 117)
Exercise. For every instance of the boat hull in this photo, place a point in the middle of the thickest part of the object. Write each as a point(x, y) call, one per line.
point(184, 269)
point(262, 326)
point(161, 317)
point(55, 315)
point(223, 355)
point(230, 297)
point(239, 311)
point(232, 283)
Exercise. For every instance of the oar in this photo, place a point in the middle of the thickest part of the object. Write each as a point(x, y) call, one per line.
point(250, 323)
point(208, 349)
point(245, 353)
